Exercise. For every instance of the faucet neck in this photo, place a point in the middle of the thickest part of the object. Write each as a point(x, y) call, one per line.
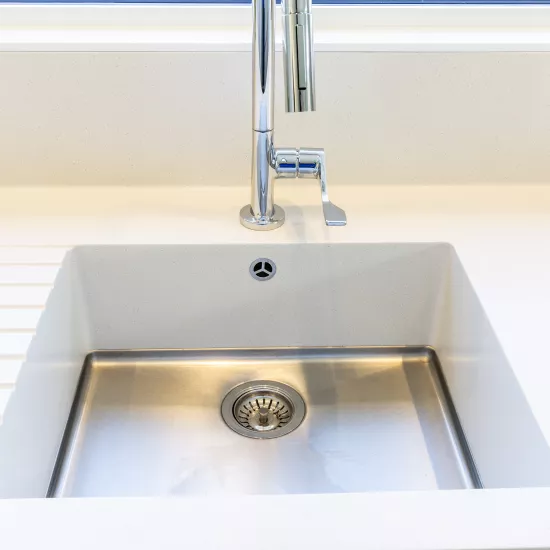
point(263, 49)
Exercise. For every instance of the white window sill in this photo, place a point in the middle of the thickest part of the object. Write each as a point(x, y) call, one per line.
point(138, 27)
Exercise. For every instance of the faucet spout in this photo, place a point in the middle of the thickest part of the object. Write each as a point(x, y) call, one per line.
point(298, 56)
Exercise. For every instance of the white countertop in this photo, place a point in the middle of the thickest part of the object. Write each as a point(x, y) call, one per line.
point(502, 236)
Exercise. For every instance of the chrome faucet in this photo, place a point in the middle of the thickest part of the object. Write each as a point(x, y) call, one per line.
point(270, 162)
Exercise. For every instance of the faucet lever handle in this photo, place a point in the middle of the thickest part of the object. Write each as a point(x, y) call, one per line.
point(309, 163)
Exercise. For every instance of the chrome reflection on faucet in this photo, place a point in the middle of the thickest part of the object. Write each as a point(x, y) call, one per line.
point(269, 162)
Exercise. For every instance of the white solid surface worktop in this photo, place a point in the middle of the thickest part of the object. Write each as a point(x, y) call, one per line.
point(502, 236)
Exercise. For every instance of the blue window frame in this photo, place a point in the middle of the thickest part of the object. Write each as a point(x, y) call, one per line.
point(372, 2)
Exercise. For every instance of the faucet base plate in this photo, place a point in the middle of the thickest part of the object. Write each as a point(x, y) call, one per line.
point(250, 221)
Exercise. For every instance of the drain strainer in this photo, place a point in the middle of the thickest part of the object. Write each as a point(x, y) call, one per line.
point(263, 409)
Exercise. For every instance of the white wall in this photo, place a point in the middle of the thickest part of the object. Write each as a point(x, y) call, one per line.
point(184, 118)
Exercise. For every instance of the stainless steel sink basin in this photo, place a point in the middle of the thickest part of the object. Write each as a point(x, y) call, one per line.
point(150, 423)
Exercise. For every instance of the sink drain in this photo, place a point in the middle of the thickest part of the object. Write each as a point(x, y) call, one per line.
point(263, 409)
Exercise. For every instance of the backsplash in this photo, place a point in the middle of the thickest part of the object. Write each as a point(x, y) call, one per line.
point(184, 118)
